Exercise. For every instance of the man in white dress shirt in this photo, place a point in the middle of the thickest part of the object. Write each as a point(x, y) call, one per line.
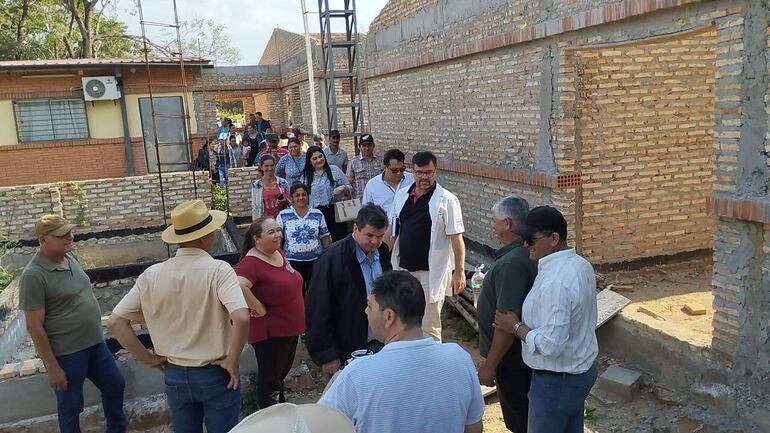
point(558, 328)
point(381, 189)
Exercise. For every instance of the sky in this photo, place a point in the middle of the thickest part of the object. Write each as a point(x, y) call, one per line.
point(249, 23)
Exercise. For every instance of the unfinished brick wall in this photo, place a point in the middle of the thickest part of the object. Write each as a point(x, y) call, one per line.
point(645, 130)
point(483, 109)
point(396, 10)
point(103, 204)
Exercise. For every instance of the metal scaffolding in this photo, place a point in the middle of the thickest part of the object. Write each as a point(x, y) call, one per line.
point(348, 72)
point(184, 115)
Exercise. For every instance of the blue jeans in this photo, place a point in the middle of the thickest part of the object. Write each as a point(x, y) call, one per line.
point(199, 394)
point(97, 365)
point(223, 173)
point(556, 401)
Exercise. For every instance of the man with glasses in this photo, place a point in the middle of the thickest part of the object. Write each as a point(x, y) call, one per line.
point(64, 320)
point(558, 331)
point(334, 154)
point(427, 229)
point(381, 189)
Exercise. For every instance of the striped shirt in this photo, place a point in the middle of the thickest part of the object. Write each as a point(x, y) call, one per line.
point(561, 312)
point(405, 388)
point(360, 171)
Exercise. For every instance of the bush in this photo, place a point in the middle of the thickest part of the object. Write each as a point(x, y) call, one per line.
point(5, 278)
point(219, 198)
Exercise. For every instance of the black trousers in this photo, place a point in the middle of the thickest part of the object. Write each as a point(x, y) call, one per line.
point(512, 388)
point(306, 270)
point(337, 230)
point(275, 357)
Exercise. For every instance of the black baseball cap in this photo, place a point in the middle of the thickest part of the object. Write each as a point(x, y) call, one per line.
point(272, 137)
point(299, 131)
point(334, 133)
point(543, 219)
point(367, 138)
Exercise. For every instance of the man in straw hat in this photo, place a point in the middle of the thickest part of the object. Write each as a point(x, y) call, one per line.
point(187, 303)
point(64, 320)
point(290, 418)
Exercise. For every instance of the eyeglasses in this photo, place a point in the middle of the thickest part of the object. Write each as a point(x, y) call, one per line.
point(396, 170)
point(532, 240)
point(427, 173)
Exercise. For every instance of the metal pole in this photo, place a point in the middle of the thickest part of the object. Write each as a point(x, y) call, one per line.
point(310, 75)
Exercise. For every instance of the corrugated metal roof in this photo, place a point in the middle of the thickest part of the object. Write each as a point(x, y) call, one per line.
point(95, 63)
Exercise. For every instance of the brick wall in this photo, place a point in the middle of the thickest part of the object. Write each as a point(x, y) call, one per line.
point(103, 204)
point(396, 10)
point(484, 109)
point(281, 46)
point(645, 129)
point(239, 188)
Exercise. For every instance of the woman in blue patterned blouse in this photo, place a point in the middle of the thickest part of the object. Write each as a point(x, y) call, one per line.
point(305, 233)
point(326, 184)
point(292, 165)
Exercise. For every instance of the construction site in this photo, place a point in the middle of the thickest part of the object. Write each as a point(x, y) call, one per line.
point(645, 122)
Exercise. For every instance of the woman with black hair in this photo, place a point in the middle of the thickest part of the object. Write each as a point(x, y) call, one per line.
point(305, 233)
point(273, 292)
point(326, 184)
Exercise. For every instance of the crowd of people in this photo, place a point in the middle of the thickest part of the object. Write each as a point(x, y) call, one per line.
point(365, 301)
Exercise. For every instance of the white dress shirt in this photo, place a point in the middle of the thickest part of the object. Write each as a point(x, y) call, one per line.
point(379, 192)
point(561, 312)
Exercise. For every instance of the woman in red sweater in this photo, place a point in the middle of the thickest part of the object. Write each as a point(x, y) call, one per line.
point(273, 292)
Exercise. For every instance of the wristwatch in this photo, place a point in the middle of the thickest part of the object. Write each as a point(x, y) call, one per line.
point(516, 327)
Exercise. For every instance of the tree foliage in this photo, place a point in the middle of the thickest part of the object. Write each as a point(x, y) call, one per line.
point(57, 29)
point(60, 29)
point(203, 38)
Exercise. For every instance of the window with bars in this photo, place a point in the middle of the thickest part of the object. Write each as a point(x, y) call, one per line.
point(50, 119)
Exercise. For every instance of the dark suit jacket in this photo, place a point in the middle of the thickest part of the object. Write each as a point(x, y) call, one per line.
point(335, 303)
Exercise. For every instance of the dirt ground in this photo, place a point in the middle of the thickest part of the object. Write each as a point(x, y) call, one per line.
point(665, 290)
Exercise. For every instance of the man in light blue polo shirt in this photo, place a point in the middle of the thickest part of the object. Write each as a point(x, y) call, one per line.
point(404, 387)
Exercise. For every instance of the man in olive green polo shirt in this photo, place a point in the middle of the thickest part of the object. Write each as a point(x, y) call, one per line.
point(505, 286)
point(64, 320)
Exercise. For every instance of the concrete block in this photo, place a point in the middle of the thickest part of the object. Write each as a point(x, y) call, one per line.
point(621, 381)
point(9, 371)
point(29, 367)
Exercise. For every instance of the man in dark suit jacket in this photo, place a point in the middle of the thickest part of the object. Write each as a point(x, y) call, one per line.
point(336, 299)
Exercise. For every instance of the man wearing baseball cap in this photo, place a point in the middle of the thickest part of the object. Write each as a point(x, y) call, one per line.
point(558, 331)
point(363, 167)
point(301, 134)
point(335, 155)
point(64, 320)
point(188, 303)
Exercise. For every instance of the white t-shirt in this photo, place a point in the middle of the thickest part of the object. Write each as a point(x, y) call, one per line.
point(417, 386)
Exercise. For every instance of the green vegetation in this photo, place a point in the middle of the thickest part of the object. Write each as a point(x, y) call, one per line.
point(219, 198)
point(589, 413)
point(249, 395)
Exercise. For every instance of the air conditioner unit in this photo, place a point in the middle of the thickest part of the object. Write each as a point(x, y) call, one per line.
point(100, 88)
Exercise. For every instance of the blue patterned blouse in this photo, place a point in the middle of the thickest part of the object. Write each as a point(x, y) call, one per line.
point(302, 235)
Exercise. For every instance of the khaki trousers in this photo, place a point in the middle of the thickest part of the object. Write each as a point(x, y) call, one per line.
point(431, 321)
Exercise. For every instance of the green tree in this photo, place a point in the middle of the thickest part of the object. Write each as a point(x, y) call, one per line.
point(56, 29)
point(203, 38)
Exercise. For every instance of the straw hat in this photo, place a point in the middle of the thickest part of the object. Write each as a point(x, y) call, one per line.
point(290, 418)
point(192, 220)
